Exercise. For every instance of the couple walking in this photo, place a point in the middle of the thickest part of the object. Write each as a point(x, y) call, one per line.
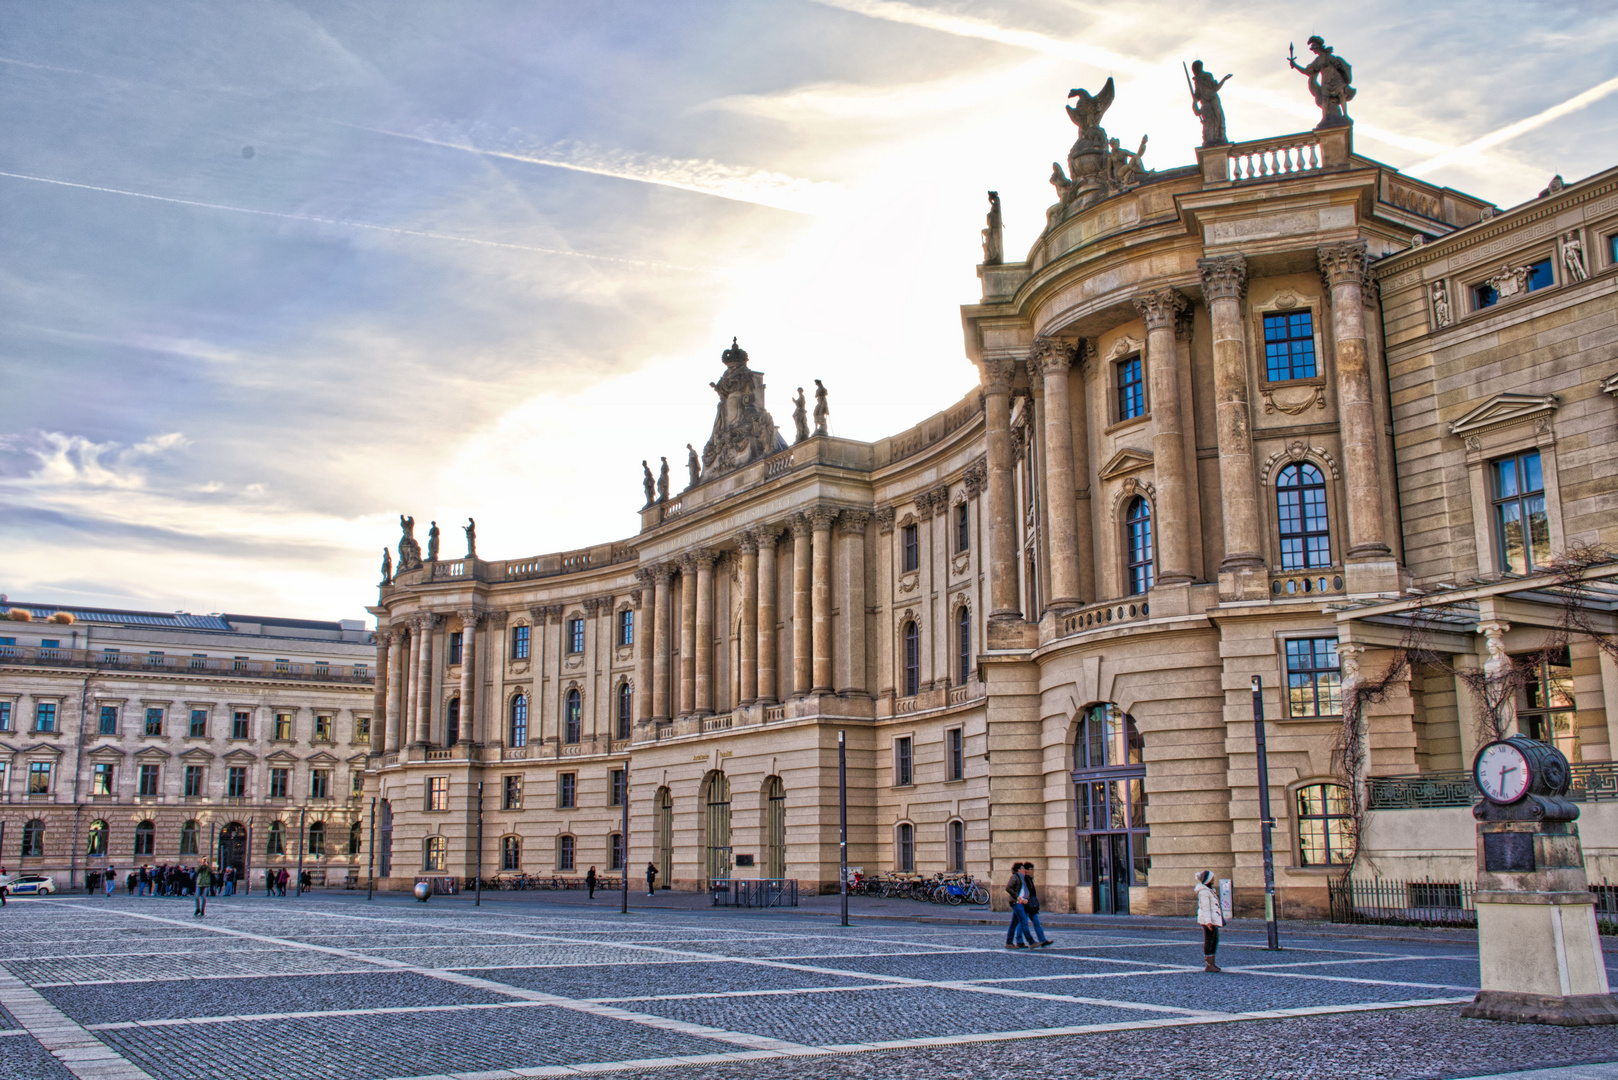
point(1024, 910)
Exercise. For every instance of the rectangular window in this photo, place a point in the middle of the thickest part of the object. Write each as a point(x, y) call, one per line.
point(1612, 249)
point(567, 790)
point(910, 552)
point(199, 724)
point(322, 669)
point(362, 671)
point(149, 780)
point(1289, 346)
point(1540, 275)
point(575, 635)
point(1314, 680)
point(1323, 825)
point(1522, 532)
point(109, 720)
point(1484, 296)
point(904, 855)
point(510, 853)
point(39, 777)
point(438, 793)
point(8, 646)
point(5, 716)
point(362, 729)
point(320, 783)
point(963, 528)
point(1546, 709)
point(903, 773)
point(154, 658)
point(455, 647)
point(283, 726)
point(238, 663)
point(358, 782)
point(564, 853)
point(102, 779)
point(615, 794)
point(626, 627)
point(1131, 391)
point(519, 642)
point(241, 726)
point(199, 661)
point(513, 794)
point(154, 721)
point(45, 716)
point(283, 666)
point(195, 781)
point(236, 782)
point(109, 657)
point(322, 728)
point(615, 851)
point(955, 750)
point(280, 781)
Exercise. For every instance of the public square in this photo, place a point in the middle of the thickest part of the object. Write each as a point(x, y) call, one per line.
point(331, 985)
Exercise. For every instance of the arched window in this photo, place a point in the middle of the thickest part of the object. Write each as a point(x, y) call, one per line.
point(626, 710)
point(317, 838)
point(277, 843)
point(912, 645)
point(355, 839)
point(510, 853)
point(904, 848)
point(775, 828)
point(33, 839)
point(615, 851)
point(519, 720)
point(574, 719)
point(716, 796)
point(957, 847)
point(1107, 738)
point(1109, 786)
point(1323, 825)
point(98, 839)
point(564, 852)
point(963, 645)
point(665, 836)
point(433, 854)
point(452, 722)
point(1138, 545)
point(145, 838)
point(1300, 511)
point(188, 838)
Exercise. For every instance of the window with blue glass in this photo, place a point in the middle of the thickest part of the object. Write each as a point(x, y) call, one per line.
point(1131, 391)
point(1522, 532)
point(519, 720)
point(519, 642)
point(1138, 545)
point(1540, 275)
point(1314, 679)
point(573, 717)
point(1289, 346)
point(1612, 249)
point(575, 635)
point(1300, 510)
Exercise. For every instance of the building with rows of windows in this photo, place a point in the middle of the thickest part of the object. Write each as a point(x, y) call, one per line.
point(1240, 419)
point(131, 738)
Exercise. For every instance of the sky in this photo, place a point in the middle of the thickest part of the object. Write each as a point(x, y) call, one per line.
point(273, 273)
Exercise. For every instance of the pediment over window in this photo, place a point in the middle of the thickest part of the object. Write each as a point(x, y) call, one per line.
point(1127, 460)
point(195, 754)
point(357, 761)
point(1503, 409)
point(152, 753)
point(283, 757)
point(239, 756)
point(106, 753)
point(322, 758)
point(6, 749)
point(44, 750)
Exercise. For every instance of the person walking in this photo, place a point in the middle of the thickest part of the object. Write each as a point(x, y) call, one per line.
point(269, 882)
point(110, 879)
point(204, 881)
point(281, 880)
point(1030, 906)
point(1017, 890)
point(590, 882)
point(1210, 916)
point(651, 878)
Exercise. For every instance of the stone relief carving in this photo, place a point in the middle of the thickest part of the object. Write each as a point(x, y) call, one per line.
point(1224, 278)
point(1160, 308)
point(1124, 346)
point(1509, 281)
point(960, 563)
point(1298, 450)
point(975, 476)
point(1442, 316)
point(1573, 256)
point(909, 582)
point(743, 430)
point(1294, 400)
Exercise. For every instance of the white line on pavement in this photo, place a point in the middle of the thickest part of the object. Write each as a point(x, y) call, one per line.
point(80, 1052)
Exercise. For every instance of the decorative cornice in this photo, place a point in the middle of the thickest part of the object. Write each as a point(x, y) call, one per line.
point(1224, 278)
point(1341, 264)
point(1161, 308)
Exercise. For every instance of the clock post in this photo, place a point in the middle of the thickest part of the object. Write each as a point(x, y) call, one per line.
point(1538, 948)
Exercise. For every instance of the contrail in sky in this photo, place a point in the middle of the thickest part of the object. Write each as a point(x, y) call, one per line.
point(1511, 131)
point(419, 233)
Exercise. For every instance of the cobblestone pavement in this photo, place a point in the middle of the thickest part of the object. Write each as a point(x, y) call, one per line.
point(332, 986)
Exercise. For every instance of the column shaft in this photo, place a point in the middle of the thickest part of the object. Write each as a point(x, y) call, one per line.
point(424, 681)
point(1342, 267)
point(801, 588)
point(767, 652)
point(1053, 358)
point(851, 600)
point(645, 605)
point(1003, 601)
point(749, 635)
point(662, 613)
point(397, 663)
point(688, 637)
point(379, 696)
point(704, 639)
point(1161, 309)
point(1224, 281)
point(821, 601)
point(469, 669)
point(412, 686)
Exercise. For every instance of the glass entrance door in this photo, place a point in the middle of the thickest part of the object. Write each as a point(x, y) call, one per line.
point(233, 848)
point(1109, 785)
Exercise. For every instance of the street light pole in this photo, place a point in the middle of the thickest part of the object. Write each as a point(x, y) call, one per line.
point(478, 879)
point(302, 815)
point(1265, 822)
point(842, 823)
point(623, 846)
point(370, 860)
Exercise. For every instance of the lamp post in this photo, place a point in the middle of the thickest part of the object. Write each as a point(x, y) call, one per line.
point(477, 879)
point(623, 846)
point(302, 815)
point(370, 859)
point(842, 823)
point(1265, 821)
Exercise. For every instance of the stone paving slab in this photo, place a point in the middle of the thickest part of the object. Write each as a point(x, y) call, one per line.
point(615, 982)
point(22, 1058)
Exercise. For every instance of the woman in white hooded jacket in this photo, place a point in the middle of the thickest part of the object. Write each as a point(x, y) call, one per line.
point(1210, 916)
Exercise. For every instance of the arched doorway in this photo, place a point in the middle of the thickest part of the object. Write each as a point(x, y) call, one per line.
point(775, 828)
point(384, 854)
point(1109, 782)
point(665, 837)
point(233, 848)
point(716, 834)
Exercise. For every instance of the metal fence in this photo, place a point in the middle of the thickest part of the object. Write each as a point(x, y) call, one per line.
point(1593, 781)
point(755, 892)
point(1431, 903)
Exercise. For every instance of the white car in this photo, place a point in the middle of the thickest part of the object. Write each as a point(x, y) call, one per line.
point(28, 884)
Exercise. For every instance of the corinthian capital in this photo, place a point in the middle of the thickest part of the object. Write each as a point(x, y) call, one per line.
point(747, 542)
point(1342, 264)
point(1051, 356)
point(821, 517)
point(469, 617)
point(1224, 278)
point(997, 375)
point(1161, 308)
point(852, 522)
point(801, 525)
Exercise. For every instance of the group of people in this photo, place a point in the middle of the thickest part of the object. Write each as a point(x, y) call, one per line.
point(276, 881)
point(174, 880)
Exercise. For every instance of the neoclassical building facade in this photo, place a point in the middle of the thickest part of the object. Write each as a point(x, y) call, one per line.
point(1230, 418)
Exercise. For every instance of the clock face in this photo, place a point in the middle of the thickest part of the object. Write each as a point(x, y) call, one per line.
point(1502, 773)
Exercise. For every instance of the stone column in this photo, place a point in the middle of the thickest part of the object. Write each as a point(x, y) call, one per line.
point(688, 635)
point(822, 517)
point(1162, 308)
point(1342, 267)
point(379, 695)
point(1084, 546)
point(704, 641)
point(768, 691)
point(1224, 283)
point(411, 688)
point(801, 638)
point(424, 679)
point(644, 607)
point(747, 546)
point(1053, 358)
point(469, 670)
point(1003, 601)
point(851, 600)
point(398, 663)
point(662, 612)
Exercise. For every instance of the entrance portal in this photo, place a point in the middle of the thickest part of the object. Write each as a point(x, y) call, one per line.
point(233, 848)
point(1109, 782)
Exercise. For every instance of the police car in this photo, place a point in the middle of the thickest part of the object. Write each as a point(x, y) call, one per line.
point(28, 884)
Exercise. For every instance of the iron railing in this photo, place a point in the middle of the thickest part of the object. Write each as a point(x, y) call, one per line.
point(1432, 903)
point(754, 892)
point(1593, 781)
point(194, 666)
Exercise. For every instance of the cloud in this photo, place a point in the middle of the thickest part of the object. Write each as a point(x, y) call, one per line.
point(1505, 134)
point(72, 461)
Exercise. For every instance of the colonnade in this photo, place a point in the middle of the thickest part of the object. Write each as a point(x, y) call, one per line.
point(405, 664)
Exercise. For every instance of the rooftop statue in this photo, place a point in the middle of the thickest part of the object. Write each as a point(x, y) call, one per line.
point(471, 531)
point(800, 417)
point(1096, 166)
point(409, 550)
point(822, 410)
point(1329, 79)
point(387, 566)
point(743, 430)
point(993, 245)
point(648, 483)
point(693, 466)
point(663, 482)
point(432, 543)
point(1205, 103)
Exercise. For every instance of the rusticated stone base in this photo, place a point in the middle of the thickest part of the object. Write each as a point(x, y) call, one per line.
point(1578, 1010)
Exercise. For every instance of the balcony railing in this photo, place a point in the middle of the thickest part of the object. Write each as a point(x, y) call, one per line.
point(1103, 615)
point(102, 660)
point(1280, 157)
point(1593, 781)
